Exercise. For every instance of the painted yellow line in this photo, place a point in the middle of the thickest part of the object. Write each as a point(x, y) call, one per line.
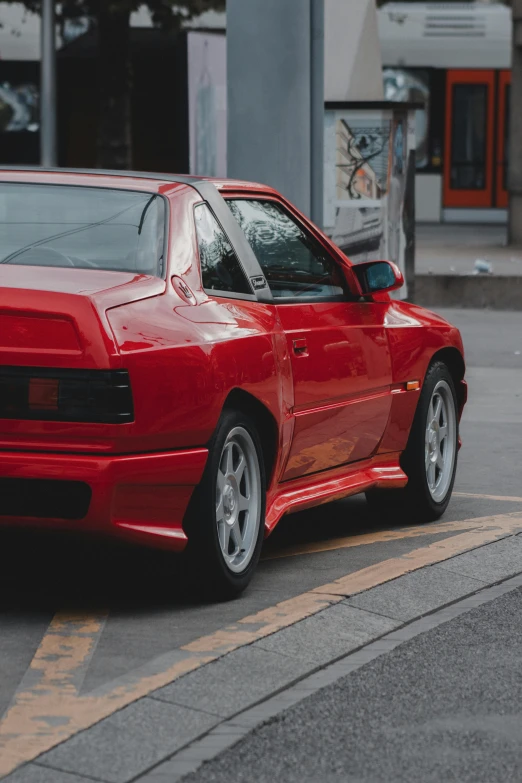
point(363, 539)
point(346, 542)
point(491, 529)
point(507, 498)
point(55, 675)
point(24, 734)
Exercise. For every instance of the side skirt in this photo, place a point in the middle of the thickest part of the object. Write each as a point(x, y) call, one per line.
point(382, 471)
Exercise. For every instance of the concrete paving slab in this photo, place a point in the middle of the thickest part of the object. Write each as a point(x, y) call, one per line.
point(493, 562)
point(130, 742)
point(329, 634)
point(415, 594)
point(438, 684)
point(234, 682)
point(34, 773)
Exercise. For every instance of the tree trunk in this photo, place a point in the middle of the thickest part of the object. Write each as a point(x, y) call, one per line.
point(114, 121)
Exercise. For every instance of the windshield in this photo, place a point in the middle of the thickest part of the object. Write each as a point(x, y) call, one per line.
point(88, 228)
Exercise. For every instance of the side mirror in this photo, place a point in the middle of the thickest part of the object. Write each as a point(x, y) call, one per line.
point(377, 277)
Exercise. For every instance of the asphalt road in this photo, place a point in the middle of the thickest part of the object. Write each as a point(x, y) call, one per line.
point(143, 609)
point(446, 706)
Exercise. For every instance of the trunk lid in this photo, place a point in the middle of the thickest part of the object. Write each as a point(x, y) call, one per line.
point(56, 317)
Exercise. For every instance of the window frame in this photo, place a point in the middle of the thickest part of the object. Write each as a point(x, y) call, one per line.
point(162, 260)
point(349, 296)
point(214, 291)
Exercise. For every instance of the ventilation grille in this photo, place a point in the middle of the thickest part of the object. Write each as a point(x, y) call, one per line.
point(454, 26)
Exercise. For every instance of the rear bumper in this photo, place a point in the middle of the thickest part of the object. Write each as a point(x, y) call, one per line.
point(139, 497)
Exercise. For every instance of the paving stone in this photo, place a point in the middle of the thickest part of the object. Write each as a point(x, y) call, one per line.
point(329, 634)
point(489, 563)
point(415, 594)
point(33, 773)
point(234, 682)
point(129, 742)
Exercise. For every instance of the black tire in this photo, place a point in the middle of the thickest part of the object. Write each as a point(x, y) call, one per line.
point(205, 566)
point(415, 502)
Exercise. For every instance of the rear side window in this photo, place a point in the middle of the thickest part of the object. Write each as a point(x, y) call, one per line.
point(294, 263)
point(220, 267)
point(88, 228)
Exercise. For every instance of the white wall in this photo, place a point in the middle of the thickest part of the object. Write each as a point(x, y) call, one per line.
point(428, 198)
point(353, 66)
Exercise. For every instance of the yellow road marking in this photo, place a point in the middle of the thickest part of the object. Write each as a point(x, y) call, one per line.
point(491, 529)
point(346, 542)
point(55, 675)
point(507, 498)
point(39, 719)
point(363, 539)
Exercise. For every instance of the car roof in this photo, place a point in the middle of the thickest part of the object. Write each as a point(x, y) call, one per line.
point(131, 180)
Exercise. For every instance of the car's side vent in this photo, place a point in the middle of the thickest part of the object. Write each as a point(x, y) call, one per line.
point(48, 394)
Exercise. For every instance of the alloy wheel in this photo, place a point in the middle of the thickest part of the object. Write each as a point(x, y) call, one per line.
point(440, 441)
point(238, 500)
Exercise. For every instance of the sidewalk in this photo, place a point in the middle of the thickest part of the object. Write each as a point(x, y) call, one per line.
point(159, 739)
point(446, 249)
point(439, 700)
point(446, 273)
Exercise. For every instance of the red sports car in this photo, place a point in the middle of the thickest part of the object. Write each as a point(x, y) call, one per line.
point(183, 361)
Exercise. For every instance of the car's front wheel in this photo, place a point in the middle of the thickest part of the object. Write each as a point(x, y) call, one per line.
point(430, 458)
point(225, 521)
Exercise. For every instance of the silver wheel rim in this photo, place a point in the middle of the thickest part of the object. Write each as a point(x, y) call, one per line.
point(238, 500)
point(441, 441)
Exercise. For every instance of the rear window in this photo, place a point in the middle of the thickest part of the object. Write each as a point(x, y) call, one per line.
point(88, 228)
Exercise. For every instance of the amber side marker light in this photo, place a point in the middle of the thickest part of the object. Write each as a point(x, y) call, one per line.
point(412, 385)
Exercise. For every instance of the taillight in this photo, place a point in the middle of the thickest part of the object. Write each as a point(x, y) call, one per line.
point(102, 396)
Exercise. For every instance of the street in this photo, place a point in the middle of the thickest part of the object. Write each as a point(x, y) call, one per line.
point(445, 706)
point(88, 628)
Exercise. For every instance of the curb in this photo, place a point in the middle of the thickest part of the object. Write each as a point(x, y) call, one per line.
point(496, 292)
point(138, 743)
point(229, 733)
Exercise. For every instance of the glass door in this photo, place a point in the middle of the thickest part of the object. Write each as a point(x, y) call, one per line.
point(468, 157)
point(504, 102)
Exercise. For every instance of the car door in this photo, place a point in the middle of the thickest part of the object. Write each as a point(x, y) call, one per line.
point(339, 350)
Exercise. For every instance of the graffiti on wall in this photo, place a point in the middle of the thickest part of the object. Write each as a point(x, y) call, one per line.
point(366, 153)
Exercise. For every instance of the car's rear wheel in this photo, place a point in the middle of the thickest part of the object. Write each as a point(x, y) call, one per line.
point(430, 458)
point(225, 521)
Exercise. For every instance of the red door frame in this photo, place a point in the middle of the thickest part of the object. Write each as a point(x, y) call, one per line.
point(470, 198)
point(502, 200)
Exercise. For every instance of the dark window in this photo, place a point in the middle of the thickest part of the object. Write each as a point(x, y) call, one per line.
point(468, 140)
point(89, 228)
point(220, 267)
point(294, 263)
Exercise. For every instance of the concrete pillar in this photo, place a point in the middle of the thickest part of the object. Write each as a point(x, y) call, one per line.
point(48, 86)
point(515, 132)
point(271, 93)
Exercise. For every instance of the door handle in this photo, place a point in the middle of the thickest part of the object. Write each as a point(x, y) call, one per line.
point(300, 347)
